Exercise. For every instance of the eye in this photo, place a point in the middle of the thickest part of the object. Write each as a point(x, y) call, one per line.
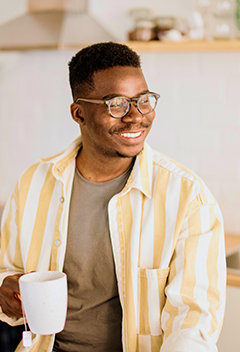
point(118, 102)
point(144, 99)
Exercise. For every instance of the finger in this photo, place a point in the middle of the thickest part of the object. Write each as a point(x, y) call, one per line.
point(18, 296)
point(12, 308)
point(12, 282)
point(9, 299)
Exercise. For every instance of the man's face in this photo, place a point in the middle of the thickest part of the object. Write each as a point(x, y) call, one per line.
point(106, 135)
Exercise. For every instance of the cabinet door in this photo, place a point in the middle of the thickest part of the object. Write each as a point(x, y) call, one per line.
point(229, 339)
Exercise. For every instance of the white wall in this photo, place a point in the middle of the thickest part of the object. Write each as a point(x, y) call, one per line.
point(11, 9)
point(34, 111)
point(198, 117)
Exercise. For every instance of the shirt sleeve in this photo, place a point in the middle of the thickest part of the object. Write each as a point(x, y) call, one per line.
point(195, 292)
point(10, 254)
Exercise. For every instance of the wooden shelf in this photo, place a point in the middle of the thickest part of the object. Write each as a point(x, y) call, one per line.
point(199, 45)
point(152, 46)
point(189, 45)
point(233, 280)
point(231, 241)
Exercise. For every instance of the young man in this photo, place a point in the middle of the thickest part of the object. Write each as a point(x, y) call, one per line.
point(139, 236)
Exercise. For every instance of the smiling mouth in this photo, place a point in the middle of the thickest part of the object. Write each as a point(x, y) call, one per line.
point(131, 135)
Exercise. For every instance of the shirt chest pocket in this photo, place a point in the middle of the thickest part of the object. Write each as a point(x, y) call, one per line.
point(151, 299)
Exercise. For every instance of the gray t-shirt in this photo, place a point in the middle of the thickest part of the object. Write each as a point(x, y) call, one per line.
point(94, 311)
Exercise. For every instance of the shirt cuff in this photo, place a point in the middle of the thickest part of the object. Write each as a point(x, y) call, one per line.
point(189, 340)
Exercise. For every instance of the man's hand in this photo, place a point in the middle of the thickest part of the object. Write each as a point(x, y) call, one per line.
point(10, 299)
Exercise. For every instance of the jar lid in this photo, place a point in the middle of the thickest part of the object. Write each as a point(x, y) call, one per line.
point(165, 21)
point(141, 13)
point(144, 24)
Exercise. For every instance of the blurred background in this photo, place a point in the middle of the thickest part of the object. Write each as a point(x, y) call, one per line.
point(190, 51)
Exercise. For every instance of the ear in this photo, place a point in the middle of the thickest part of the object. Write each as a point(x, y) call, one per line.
point(77, 113)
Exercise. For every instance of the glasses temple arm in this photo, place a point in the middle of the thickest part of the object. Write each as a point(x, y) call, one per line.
point(91, 101)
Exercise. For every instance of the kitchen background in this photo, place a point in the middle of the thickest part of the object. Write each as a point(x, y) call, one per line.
point(198, 114)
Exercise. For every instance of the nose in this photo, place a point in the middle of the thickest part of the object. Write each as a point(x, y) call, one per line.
point(133, 115)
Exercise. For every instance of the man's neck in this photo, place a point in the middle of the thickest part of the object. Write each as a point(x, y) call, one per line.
point(101, 169)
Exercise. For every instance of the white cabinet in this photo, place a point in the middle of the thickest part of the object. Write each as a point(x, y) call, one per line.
point(229, 340)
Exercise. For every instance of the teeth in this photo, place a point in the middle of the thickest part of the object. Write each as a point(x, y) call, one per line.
point(131, 135)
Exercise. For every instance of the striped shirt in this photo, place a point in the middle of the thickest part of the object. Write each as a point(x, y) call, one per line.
point(168, 245)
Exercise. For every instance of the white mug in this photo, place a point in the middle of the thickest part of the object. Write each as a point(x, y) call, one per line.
point(44, 299)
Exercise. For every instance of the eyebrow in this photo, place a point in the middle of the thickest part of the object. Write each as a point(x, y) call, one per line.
point(110, 96)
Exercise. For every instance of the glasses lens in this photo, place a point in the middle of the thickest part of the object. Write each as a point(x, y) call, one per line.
point(147, 103)
point(118, 107)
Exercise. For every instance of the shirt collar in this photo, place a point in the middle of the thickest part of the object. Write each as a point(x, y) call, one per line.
point(141, 174)
point(140, 177)
point(62, 160)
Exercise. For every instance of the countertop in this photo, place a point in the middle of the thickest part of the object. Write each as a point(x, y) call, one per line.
point(232, 241)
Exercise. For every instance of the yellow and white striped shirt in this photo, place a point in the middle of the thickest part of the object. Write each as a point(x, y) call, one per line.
point(167, 239)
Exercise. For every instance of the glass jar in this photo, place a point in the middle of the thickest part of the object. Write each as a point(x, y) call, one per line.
point(238, 16)
point(223, 19)
point(163, 25)
point(143, 29)
point(204, 7)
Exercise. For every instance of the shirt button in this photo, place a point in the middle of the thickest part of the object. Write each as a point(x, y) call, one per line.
point(61, 199)
point(57, 243)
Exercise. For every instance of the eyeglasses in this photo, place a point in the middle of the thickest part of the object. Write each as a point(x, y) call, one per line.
point(118, 107)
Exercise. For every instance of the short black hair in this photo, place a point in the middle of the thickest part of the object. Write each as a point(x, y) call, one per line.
point(97, 57)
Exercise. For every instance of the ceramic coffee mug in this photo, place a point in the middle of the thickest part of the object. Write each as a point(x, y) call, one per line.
point(44, 300)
